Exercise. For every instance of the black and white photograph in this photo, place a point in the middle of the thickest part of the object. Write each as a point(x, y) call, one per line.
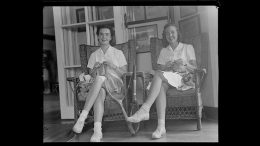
point(130, 73)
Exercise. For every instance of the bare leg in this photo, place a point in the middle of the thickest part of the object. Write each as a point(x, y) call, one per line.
point(154, 92)
point(99, 105)
point(93, 93)
point(161, 107)
point(143, 112)
point(98, 115)
point(161, 102)
point(91, 98)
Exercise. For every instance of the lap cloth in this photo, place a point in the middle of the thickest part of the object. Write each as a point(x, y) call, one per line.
point(113, 83)
point(181, 81)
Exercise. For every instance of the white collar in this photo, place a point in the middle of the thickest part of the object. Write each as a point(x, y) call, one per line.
point(180, 45)
point(101, 51)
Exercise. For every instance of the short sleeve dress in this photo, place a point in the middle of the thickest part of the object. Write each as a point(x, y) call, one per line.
point(184, 80)
point(113, 83)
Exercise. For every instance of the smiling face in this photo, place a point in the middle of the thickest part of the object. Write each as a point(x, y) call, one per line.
point(104, 36)
point(171, 34)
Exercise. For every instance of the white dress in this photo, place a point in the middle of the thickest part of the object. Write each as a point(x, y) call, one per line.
point(184, 52)
point(112, 81)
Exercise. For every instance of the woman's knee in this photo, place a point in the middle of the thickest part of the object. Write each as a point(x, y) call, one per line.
point(157, 74)
point(100, 79)
point(102, 95)
point(165, 86)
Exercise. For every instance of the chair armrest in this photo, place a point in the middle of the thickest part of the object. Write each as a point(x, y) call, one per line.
point(73, 79)
point(200, 75)
point(126, 74)
point(138, 74)
point(149, 75)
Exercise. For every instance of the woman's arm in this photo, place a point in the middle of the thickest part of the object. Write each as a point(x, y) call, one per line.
point(119, 70)
point(92, 71)
point(166, 67)
point(191, 58)
point(176, 66)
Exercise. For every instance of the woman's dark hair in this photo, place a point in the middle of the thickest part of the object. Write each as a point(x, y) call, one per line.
point(111, 32)
point(165, 42)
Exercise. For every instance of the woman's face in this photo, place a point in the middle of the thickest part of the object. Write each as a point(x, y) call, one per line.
point(171, 34)
point(104, 36)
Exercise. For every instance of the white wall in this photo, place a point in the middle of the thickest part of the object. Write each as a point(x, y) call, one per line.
point(213, 39)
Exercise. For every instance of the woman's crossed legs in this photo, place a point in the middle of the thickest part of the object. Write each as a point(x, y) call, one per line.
point(96, 97)
point(159, 96)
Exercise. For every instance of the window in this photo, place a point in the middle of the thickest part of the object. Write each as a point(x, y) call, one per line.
point(142, 36)
point(141, 14)
point(104, 12)
point(80, 26)
point(145, 22)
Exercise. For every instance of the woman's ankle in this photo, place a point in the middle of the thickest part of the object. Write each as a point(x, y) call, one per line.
point(161, 124)
point(146, 107)
point(83, 115)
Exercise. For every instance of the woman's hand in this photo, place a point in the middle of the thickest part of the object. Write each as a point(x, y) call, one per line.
point(109, 64)
point(178, 65)
point(97, 64)
point(93, 71)
point(167, 66)
point(191, 66)
point(178, 62)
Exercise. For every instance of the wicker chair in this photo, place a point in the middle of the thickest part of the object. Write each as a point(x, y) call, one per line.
point(184, 104)
point(113, 111)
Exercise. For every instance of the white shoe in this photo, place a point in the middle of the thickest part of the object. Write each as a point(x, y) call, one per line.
point(158, 133)
point(140, 115)
point(96, 137)
point(78, 126)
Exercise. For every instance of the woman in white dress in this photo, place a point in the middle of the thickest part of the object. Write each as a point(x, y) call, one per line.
point(107, 65)
point(176, 62)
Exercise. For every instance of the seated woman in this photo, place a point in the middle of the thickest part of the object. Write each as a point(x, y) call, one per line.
point(176, 62)
point(107, 65)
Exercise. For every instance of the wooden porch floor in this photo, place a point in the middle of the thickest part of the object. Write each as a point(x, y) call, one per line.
point(57, 130)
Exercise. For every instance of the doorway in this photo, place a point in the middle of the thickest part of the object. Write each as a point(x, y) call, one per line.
point(51, 101)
